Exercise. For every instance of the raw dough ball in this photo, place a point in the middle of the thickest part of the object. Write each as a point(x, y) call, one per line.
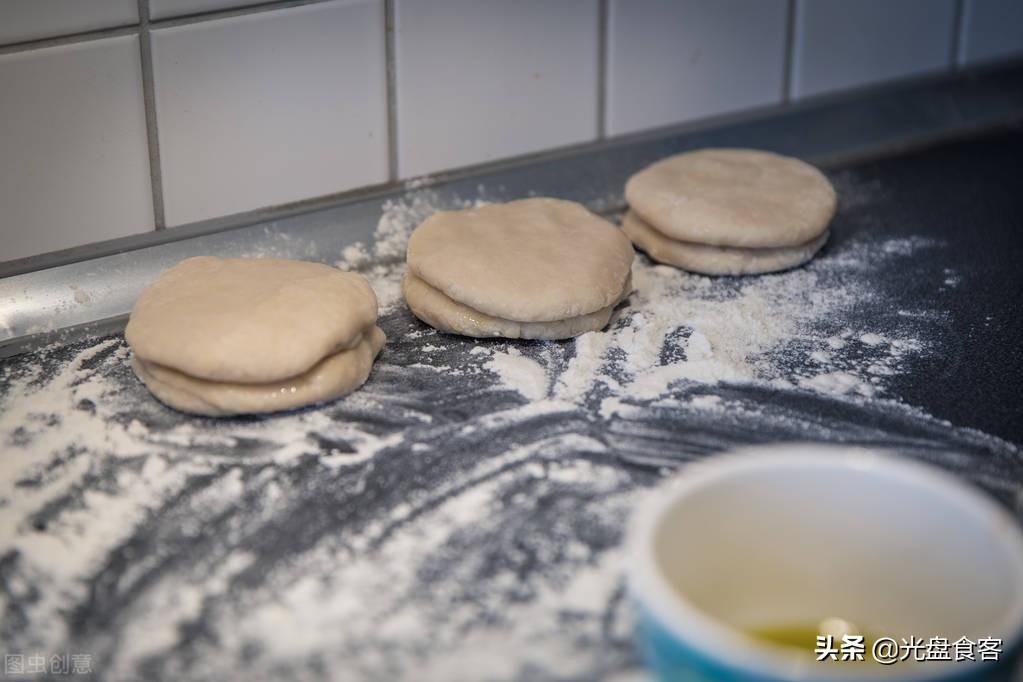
point(233, 336)
point(532, 268)
point(733, 197)
point(717, 260)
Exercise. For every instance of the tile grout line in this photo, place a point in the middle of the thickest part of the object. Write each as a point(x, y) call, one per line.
point(69, 39)
point(958, 29)
point(212, 15)
point(390, 72)
point(788, 61)
point(149, 101)
point(602, 56)
point(128, 29)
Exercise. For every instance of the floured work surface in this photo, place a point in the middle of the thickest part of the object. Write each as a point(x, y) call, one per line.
point(460, 516)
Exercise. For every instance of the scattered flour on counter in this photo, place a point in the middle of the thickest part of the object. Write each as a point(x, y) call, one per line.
point(355, 255)
point(837, 383)
point(385, 600)
point(523, 374)
point(705, 401)
point(382, 262)
point(458, 577)
point(679, 328)
point(62, 434)
point(872, 339)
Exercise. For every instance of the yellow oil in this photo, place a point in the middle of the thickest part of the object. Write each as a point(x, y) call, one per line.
point(803, 636)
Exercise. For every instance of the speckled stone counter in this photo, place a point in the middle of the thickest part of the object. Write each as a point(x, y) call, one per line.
point(461, 516)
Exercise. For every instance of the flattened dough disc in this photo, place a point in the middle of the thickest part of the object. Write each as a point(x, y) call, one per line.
point(249, 320)
point(733, 197)
point(717, 260)
point(431, 306)
point(332, 377)
point(531, 260)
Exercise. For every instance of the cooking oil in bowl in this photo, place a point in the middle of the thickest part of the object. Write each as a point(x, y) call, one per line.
point(811, 638)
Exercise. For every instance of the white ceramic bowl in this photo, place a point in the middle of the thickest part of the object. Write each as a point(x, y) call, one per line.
point(793, 534)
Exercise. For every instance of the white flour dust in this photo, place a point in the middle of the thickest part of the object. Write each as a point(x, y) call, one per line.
point(449, 451)
point(680, 327)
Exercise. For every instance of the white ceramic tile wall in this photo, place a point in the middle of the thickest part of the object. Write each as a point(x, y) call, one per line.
point(287, 100)
point(159, 9)
point(992, 30)
point(677, 60)
point(31, 19)
point(479, 80)
point(842, 43)
point(74, 164)
point(269, 108)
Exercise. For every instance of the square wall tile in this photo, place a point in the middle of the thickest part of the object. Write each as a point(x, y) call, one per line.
point(268, 108)
point(991, 30)
point(161, 9)
point(842, 44)
point(73, 142)
point(677, 60)
point(479, 80)
point(32, 19)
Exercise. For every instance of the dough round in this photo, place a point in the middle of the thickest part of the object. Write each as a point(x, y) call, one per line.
point(531, 260)
point(717, 260)
point(733, 197)
point(249, 320)
point(437, 310)
point(239, 336)
point(332, 377)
